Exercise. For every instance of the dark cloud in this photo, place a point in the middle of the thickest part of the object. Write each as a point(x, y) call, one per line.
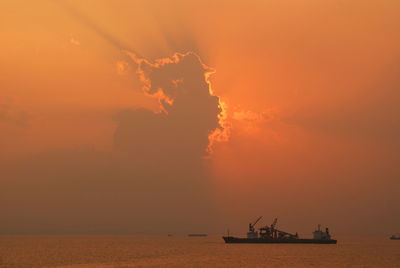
point(154, 181)
point(187, 105)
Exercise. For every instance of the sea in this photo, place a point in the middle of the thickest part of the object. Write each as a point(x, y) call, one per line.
point(122, 251)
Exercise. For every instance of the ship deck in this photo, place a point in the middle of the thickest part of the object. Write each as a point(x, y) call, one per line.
point(239, 240)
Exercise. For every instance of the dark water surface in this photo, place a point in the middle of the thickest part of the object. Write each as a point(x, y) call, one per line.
point(179, 251)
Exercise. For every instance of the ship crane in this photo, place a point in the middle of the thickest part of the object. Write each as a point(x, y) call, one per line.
point(274, 223)
point(252, 225)
point(282, 234)
point(272, 232)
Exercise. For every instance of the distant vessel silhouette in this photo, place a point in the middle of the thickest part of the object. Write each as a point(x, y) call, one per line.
point(395, 237)
point(269, 234)
point(197, 235)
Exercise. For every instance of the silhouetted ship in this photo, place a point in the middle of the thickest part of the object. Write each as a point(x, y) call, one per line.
point(269, 234)
point(395, 237)
point(198, 235)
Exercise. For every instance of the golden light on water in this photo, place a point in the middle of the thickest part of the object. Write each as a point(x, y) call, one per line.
point(200, 112)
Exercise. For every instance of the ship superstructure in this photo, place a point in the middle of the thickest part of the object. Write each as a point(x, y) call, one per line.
point(320, 235)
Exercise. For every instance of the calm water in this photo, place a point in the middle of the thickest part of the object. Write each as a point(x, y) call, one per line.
point(179, 251)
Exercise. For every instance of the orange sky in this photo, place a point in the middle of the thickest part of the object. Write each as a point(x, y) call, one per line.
point(311, 91)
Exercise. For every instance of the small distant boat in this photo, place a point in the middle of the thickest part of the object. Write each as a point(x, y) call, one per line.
point(198, 235)
point(269, 234)
point(395, 237)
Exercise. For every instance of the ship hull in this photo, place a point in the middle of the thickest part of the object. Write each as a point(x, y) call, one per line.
point(237, 240)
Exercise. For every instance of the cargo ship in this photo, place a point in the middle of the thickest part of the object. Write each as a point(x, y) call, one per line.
point(395, 237)
point(270, 234)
